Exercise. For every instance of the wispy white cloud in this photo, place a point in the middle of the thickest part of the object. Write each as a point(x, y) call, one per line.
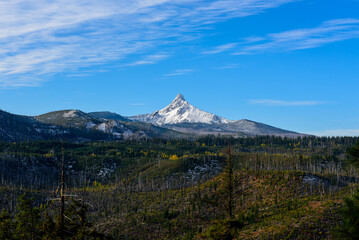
point(328, 32)
point(45, 37)
point(337, 133)
point(151, 59)
point(78, 75)
point(179, 72)
point(20, 82)
point(252, 39)
point(272, 102)
point(228, 66)
point(221, 48)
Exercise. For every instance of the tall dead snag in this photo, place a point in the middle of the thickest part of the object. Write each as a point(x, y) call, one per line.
point(62, 194)
point(228, 186)
point(226, 228)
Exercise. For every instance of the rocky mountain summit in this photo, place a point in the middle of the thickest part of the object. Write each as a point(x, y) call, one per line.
point(179, 111)
point(182, 116)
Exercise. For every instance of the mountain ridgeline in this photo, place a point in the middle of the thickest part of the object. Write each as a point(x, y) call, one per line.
point(179, 119)
point(181, 116)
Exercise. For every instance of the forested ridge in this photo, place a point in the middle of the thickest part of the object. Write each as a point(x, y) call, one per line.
point(209, 188)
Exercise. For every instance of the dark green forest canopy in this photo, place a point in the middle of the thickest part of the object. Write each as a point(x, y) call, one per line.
point(173, 189)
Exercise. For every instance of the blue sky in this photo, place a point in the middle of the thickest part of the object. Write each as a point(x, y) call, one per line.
point(291, 64)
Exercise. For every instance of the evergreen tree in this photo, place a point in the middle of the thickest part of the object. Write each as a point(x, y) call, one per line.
point(226, 228)
point(76, 223)
point(353, 155)
point(6, 226)
point(49, 228)
point(27, 219)
point(75, 226)
point(349, 226)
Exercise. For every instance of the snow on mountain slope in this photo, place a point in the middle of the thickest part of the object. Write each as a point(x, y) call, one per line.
point(68, 118)
point(119, 130)
point(181, 116)
point(69, 114)
point(81, 120)
point(101, 122)
point(179, 111)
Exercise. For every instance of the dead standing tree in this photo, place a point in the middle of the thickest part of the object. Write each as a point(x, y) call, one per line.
point(228, 184)
point(62, 194)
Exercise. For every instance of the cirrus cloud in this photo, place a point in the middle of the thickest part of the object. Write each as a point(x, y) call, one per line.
point(44, 37)
point(179, 72)
point(272, 102)
point(328, 32)
point(297, 39)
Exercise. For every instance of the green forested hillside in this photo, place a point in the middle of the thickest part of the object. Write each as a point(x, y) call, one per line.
point(267, 188)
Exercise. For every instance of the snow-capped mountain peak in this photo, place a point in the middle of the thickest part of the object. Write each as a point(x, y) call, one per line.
point(180, 111)
point(179, 97)
point(179, 103)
